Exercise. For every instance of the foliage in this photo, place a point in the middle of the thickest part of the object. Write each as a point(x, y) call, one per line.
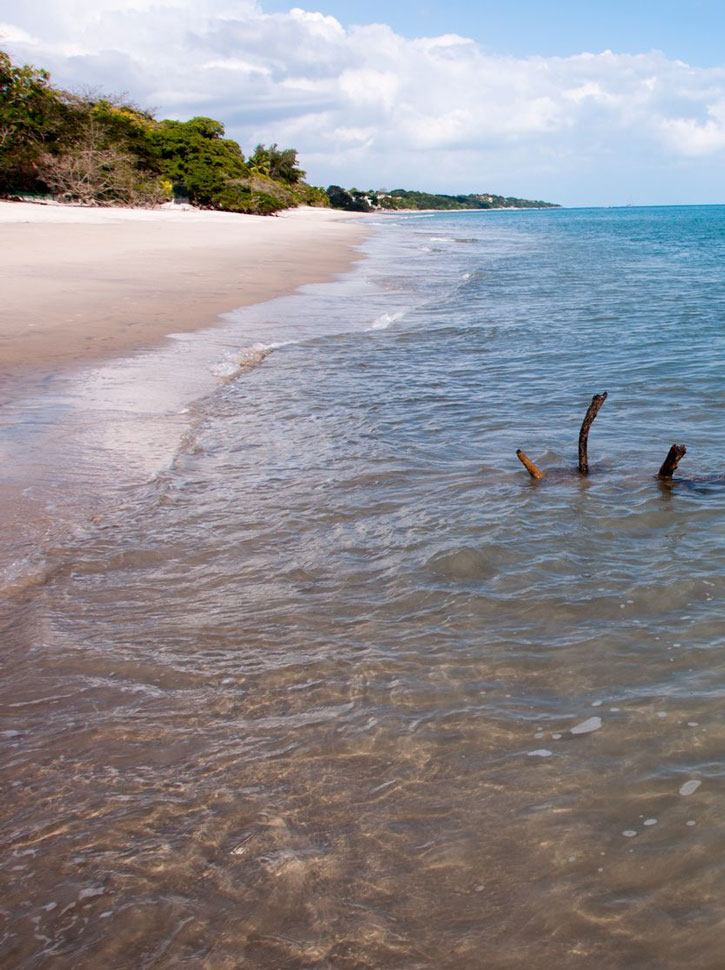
point(406, 199)
point(311, 195)
point(255, 194)
point(400, 199)
point(196, 158)
point(352, 201)
point(98, 150)
point(277, 163)
point(104, 151)
point(239, 197)
point(30, 114)
point(124, 124)
point(98, 173)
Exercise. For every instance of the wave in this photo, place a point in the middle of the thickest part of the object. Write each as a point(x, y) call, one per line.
point(387, 319)
point(242, 361)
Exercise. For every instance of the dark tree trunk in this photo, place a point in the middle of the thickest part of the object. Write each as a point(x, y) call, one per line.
point(674, 455)
point(589, 417)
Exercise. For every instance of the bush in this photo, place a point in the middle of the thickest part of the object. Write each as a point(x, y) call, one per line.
point(240, 196)
point(311, 195)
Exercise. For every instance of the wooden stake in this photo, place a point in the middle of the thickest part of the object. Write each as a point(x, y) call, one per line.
point(529, 465)
point(674, 455)
point(589, 417)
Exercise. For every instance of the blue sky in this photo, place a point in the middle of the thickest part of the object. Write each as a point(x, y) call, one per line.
point(577, 103)
point(693, 31)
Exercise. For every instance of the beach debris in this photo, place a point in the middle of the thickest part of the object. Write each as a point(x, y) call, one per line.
point(629, 833)
point(528, 464)
point(674, 456)
point(650, 821)
point(690, 787)
point(592, 411)
point(583, 466)
point(586, 727)
point(667, 469)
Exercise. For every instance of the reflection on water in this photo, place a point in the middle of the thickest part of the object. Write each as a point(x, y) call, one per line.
point(307, 698)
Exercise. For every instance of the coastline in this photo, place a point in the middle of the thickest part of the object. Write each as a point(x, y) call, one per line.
point(114, 322)
point(82, 284)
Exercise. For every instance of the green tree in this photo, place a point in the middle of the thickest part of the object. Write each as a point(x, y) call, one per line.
point(353, 201)
point(277, 163)
point(31, 115)
point(193, 154)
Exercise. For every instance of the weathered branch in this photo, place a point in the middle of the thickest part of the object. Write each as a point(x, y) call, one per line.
point(529, 465)
point(674, 455)
point(589, 417)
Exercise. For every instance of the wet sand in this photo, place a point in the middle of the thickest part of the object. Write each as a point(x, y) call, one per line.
point(84, 284)
point(93, 394)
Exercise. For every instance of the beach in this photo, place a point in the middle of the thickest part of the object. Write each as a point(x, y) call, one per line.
point(303, 669)
point(82, 284)
point(95, 395)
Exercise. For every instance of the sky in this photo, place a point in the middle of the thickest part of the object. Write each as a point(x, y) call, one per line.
point(586, 103)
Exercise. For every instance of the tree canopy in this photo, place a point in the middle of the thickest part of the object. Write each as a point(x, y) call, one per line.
point(105, 151)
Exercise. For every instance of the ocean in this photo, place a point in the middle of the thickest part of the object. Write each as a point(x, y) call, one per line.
point(317, 677)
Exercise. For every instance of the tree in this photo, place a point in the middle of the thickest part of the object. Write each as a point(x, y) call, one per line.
point(96, 171)
point(194, 154)
point(102, 150)
point(353, 200)
point(277, 163)
point(30, 114)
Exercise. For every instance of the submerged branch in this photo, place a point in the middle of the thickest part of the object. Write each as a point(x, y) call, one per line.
point(528, 464)
point(589, 417)
point(674, 456)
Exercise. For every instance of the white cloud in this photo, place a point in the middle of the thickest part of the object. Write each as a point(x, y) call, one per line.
point(438, 112)
point(696, 138)
point(10, 34)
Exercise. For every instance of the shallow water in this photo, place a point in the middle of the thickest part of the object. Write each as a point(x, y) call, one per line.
point(305, 698)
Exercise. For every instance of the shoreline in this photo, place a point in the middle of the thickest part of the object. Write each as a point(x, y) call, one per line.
point(113, 323)
point(82, 285)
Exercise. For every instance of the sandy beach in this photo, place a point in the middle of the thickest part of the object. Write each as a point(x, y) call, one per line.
point(82, 284)
point(94, 395)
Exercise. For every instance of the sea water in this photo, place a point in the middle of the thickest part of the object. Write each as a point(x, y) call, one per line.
point(337, 685)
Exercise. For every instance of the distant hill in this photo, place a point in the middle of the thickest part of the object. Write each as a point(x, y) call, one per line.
point(357, 201)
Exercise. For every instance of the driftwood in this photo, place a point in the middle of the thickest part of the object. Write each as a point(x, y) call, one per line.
point(667, 469)
point(674, 456)
point(583, 466)
point(528, 464)
point(592, 412)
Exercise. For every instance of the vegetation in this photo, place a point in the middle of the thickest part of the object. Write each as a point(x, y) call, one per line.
point(357, 201)
point(97, 150)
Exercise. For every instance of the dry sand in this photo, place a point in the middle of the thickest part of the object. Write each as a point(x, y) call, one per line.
point(80, 284)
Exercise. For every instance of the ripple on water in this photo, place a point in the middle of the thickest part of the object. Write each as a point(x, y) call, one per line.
point(278, 709)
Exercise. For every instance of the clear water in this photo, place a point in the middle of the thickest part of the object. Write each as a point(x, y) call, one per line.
point(305, 699)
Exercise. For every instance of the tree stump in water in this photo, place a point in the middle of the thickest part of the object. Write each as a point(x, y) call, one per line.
point(667, 469)
point(583, 466)
point(674, 456)
point(592, 412)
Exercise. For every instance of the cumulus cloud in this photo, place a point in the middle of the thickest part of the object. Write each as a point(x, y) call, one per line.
point(368, 105)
